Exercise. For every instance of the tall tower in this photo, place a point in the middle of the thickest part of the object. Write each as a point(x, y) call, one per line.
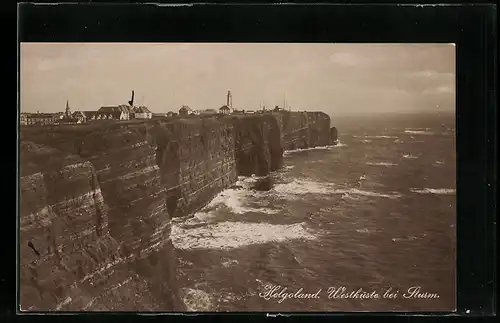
point(131, 102)
point(68, 110)
point(229, 102)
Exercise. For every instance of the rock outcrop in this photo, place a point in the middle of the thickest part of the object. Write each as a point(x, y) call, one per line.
point(333, 133)
point(96, 200)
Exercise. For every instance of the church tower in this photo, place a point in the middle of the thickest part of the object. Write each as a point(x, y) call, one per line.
point(68, 110)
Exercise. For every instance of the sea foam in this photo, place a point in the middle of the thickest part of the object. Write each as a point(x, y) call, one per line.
point(419, 132)
point(196, 300)
point(438, 191)
point(230, 235)
point(233, 199)
point(382, 137)
point(387, 164)
point(409, 156)
point(339, 144)
point(301, 187)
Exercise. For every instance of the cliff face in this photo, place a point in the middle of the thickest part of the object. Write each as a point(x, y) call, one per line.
point(319, 125)
point(334, 134)
point(98, 225)
point(96, 202)
point(197, 156)
point(257, 147)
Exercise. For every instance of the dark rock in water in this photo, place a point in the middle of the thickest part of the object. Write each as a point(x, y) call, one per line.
point(334, 134)
point(264, 184)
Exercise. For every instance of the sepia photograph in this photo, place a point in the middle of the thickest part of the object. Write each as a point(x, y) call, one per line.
point(237, 177)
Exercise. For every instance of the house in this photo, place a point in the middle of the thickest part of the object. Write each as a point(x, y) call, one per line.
point(142, 113)
point(88, 115)
point(23, 119)
point(70, 120)
point(58, 115)
point(98, 115)
point(184, 111)
point(80, 116)
point(129, 109)
point(250, 111)
point(40, 119)
point(208, 112)
point(225, 109)
point(171, 114)
point(195, 113)
point(121, 112)
point(107, 116)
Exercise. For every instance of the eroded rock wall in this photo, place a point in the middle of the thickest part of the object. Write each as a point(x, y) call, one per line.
point(206, 162)
point(257, 143)
point(116, 190)
point(296, 132)
point(334, 134)
point(69, 260)
point(319, 126)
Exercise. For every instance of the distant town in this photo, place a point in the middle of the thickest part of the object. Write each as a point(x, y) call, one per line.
point(128, 111)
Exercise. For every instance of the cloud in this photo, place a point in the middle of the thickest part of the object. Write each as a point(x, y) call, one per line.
point(443, 89)
point(427, 74)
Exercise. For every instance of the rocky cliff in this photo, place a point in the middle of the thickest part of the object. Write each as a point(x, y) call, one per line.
point(96, 200)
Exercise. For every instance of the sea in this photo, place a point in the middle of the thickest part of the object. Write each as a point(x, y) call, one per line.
point(367, 224)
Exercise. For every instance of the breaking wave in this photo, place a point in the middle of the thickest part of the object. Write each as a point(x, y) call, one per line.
point(409, 238)
point(409, 156)
point(347, 196)
point(381, 164)
point(230, 235)
point(365, 230)
point(419, 132)
point(439, 191)
point(229, 263)
point(418, 129)
point(380, 137)
point(339, 144)
point(375, 137)
point(301, 187)
point(196, 300)
point(372, 194)
point(233, 199)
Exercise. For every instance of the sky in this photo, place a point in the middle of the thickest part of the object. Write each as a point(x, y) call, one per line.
point(339, 79)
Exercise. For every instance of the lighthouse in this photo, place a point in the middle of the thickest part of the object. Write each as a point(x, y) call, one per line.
point(229, 101)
